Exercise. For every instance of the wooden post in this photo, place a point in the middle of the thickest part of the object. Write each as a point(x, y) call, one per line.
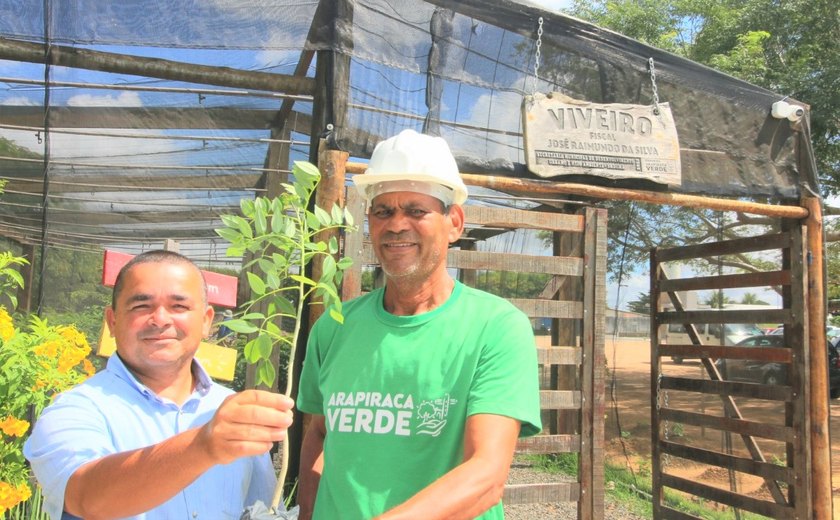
point(330, 191)
point(820, 446)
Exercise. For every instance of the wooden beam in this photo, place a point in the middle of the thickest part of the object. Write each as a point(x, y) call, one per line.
point(17, 50)
point(107, 182)
point(548, 188)
point(191, 118)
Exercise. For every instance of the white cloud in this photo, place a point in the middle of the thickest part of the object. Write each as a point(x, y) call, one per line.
point(20, 101)
point(123, 99)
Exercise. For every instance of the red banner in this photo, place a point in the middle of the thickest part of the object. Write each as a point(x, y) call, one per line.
point(221, 288)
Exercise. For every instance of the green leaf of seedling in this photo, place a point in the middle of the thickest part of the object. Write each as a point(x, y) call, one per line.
point(273, 329)
point(302, 194)
point(244, 227)
point(291, 229)
point(235, 251)
point(312, 221)
point(348, 217)
point(265, 373)
point(253, 316)
point(333, 246)
point(285, 305)
point(229, 221)
point(263, 346)
point(272, 280)
point(229, 234)
point(344, 263)
point(252, 352)
point(256, 284)
point(307, 171)
point(328, 268)
point(302, 279)
point(278, 222)
point(336, 214)
point(337, 316)
point(266, 265)
point(247, 207)
point(259, 219)
point(241, 326)
point(322, 216)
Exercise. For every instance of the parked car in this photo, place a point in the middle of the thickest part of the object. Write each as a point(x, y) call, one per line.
point(831, 332)
point(834, 367)
point(772, 373)
point(751, 370)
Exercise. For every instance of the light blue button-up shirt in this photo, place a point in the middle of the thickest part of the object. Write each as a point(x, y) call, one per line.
point(113, 412)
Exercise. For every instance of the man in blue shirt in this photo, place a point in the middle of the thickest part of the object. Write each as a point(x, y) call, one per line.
point(151, 436)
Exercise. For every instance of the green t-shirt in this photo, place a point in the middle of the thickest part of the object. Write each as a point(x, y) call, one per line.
point(396, 391)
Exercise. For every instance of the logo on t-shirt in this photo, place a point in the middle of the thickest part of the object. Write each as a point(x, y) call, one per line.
point(432, 415)
point(386, 414)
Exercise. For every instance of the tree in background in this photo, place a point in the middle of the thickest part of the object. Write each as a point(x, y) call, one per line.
point(752, 299)
point(718, 300)
point(641, 304)
point(790, 47)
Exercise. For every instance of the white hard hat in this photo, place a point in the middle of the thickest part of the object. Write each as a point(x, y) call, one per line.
point(418, 162)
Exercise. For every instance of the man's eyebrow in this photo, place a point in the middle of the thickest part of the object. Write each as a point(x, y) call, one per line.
point(140, 297)
point(143, 297)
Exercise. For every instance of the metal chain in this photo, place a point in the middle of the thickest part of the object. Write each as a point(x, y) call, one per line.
point(653, 85)
point(538, 54)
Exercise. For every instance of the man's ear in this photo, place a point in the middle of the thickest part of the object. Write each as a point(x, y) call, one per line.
point(110, 319)
point(456, 216)
point(209, 313)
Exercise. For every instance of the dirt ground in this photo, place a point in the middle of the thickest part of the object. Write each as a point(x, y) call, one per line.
point(628, 422)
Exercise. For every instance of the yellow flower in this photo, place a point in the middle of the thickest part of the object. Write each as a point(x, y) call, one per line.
point(88, 367)
point(72, 335)
point(10, 495)
point(7, 328)
point(14, 427)
point(48, 349)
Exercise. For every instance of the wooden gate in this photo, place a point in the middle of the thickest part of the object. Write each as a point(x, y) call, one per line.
point(774, 414)
point(572, 366)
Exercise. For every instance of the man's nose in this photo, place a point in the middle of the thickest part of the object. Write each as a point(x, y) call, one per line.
point(160, 316)
point(398, 222)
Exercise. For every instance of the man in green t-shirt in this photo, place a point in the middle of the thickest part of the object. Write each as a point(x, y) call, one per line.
point(418, 398)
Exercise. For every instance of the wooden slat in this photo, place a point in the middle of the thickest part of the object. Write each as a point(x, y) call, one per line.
point(559, 399)
point(744, 465)
point(739, 426)
point(727, 281)
point(559, 356)
point(486, 260)
point(549, 308)
point(769, 354)
point(518, 219)
point(730, 388)
point(539, 493)
point(754, 505)
point(549, 444)
point(727, 316)
point(726, 247)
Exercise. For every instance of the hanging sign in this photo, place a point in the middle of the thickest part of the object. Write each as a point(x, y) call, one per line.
point(221, 288)
point(566, 136)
